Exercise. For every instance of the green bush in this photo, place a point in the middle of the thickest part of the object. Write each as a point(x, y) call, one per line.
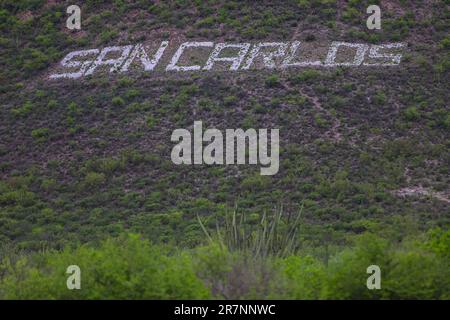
point(416, 275)
point(151, 121)
point(379, 99)
point(272, 81)
point(411, 114)
point(36, 60)
point(23, 110)
point(305, 277)
point(407, 272)
point(40, 134)
point(307, 76)
point(118, 101)
point(94, 179)
point(128, 268)
point(347, 270)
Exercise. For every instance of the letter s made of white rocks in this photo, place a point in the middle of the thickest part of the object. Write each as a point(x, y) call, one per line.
point(389, 59)
point(82, 65)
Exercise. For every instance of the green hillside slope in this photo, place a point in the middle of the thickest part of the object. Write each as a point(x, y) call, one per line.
point(363, 150)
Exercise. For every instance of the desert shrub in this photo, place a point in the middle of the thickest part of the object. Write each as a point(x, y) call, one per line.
point(150, 121)
point(132, 93)
point(49, 184)
point(307, 76)
point(338, 102)
point(272, 81)
point(40, 134)
point(36, 60)
point(411, 114)
point(445, 43)
point(416, 274)
point(94, 179)
point(274, 236)
point(444, 64)
point(351, 15)
point(232, 275)
point(52, 104)
point(439, 242)
point(408, 271)
point(118, 101)
point(108, 35)
point(107, 165)
point(206, 22)
point(20, 197)
point(127, 268)
point(442, 118)
point(213, 262)
point(230, 100)
point(305, 277)
point(320, 122)
point(347, 271)
point(379, 99)
point(23, 110)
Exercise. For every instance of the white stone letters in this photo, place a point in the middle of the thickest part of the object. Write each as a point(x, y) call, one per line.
point(173, 63)
point(139, 52)
point(241, 56)
point(115, 63)
point(357, 59)
point(236, 61)
point(68, 63)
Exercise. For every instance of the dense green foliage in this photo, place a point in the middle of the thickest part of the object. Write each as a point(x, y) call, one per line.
point(132, 268)
point(127, 270)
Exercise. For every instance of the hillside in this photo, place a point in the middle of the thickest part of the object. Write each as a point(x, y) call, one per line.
point(362, 149)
